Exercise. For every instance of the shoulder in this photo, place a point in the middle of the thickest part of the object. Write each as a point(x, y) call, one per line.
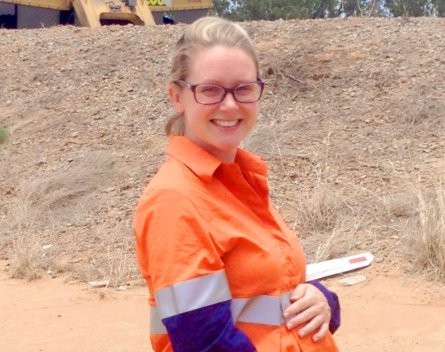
point(173, 185)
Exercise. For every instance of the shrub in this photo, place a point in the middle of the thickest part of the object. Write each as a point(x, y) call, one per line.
point(3, 135)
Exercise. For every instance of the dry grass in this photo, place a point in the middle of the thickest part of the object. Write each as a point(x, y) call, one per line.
point(65, 198)
point(26, 262)
point(411, 222)
point(47, 208)
point(425, 235)
point(410, 225)
point(321, 210)
point(116, 263)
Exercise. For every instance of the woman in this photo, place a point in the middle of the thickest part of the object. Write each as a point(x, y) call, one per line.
point(224, 271)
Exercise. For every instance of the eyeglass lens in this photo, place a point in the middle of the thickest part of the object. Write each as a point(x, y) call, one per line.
point(244, 93)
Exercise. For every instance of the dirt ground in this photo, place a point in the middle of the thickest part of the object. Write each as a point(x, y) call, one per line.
point(388, 312)
point(351, 125)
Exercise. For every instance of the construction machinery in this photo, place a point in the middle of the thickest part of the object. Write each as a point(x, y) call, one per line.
point(178, 11)
point(95, 13)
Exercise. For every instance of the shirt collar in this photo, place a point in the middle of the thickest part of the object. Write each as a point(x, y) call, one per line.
point(204, 164)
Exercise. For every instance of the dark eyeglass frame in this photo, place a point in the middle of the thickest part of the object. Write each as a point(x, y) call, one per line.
point(232, 91)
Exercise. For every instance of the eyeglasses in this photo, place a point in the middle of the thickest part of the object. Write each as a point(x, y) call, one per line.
point(208, 94)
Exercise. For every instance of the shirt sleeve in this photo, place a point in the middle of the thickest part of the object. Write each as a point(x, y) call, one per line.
point(334, 304)
point(185, 272)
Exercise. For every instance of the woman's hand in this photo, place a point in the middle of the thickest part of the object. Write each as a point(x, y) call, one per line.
point(308, 307)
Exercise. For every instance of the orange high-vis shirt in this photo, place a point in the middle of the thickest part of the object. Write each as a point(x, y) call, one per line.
point(219, 261)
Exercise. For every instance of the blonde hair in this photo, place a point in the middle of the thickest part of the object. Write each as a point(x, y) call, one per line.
point(204, 33)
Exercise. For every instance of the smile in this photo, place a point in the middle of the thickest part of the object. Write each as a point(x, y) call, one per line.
point(226, 123)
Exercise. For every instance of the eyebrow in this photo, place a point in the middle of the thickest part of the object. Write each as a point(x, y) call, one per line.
point(216, 83)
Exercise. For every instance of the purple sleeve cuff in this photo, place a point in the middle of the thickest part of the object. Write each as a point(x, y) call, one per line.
point(334, 304)
point(208, 329)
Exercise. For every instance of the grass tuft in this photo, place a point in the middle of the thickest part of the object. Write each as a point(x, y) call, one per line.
point(4, 134)
point(426, 240)
point(26, 259)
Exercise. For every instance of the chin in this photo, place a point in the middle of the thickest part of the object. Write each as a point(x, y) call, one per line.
point(229, 146)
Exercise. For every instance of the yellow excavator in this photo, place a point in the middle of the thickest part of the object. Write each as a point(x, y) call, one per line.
point(96, 13)
point(178, 11)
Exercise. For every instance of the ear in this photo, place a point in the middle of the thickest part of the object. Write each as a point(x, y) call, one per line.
point(175, 94)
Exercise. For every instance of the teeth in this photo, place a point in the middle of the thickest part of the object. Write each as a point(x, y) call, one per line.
point(226, 123)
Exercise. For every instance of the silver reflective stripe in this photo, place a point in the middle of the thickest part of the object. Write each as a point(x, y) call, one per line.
point(264, 309)
point(156, 325)
point(193, 294)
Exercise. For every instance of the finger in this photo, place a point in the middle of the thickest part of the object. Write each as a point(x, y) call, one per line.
point(299, 292)
point(300, 300)
point(296, 308)
point(313, 325)
point(304, 316)
point(307, 303)
point(324, 328)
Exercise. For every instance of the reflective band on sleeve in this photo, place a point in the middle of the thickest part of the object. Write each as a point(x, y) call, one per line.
point(193, 294)
point(266, 310)
point(156, 325)
point(262, 309)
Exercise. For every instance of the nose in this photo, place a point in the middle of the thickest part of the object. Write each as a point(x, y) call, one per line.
point(229, 101)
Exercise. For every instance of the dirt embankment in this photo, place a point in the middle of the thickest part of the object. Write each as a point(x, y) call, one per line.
point(352, 126)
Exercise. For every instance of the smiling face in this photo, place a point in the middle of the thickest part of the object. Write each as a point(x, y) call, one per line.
point(218, 128)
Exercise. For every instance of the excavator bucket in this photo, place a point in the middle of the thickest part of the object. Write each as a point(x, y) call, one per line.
point(178, 11)
point(95, 13)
